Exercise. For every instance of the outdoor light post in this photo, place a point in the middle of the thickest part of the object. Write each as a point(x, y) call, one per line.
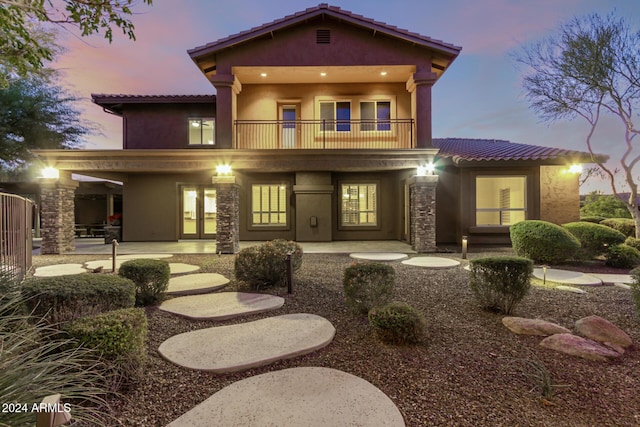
point(464, 247)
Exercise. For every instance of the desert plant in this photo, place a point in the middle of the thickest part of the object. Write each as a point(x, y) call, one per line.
point(500, 283)
point(593, 219)
point(36, 362)
point(367, 285)
point(64, 298)
point(635, 288)
point(543, 241)
point(622, 256)
point(397, 323)
point(595, 239)
point(536, 372)
point(626, 226)
point(265, 265)
point(118, 337)
point(151, 277)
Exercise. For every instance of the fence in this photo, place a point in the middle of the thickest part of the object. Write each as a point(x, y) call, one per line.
point(16, 218)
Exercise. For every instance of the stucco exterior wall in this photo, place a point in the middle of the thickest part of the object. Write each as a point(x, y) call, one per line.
point(559, 195)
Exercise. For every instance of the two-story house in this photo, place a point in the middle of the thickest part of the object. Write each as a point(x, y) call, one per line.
point(320, 130)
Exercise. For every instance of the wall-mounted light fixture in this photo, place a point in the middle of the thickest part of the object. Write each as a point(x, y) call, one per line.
point(50, 172)
point(427, 169)
point(223, 169)
point(575, 168)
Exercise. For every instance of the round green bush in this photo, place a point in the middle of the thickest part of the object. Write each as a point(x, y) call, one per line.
point(626, 226)
point(633, 242)
point(543, 242)
point(265, 265)
point(500, 283)
point(595, 239)
point(622, 256)
point(367, 285)
point(398, 323)
point(593, 219)
point(151, 277)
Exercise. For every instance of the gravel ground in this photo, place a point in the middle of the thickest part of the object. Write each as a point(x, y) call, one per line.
point(468, 372)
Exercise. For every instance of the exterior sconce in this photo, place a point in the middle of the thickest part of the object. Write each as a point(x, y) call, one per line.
point(465, 241)
point(223, 169)
point(428, 169)
point(50, 173)
point(575, 168)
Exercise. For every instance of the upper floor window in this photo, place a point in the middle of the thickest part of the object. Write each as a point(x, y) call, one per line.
point(375, 115)
point(202, 131)
point(500, 200)
point(337, 115)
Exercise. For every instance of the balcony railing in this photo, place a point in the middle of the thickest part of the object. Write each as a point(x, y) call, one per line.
point(324, 134)
point(15, 235)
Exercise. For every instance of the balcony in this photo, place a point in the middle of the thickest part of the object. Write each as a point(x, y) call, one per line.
point(324, 134)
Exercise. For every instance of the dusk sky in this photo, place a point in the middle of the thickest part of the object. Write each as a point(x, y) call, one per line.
point(480, 96)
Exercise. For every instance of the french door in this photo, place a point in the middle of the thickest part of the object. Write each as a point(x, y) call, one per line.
point(198, 213)
point(289, 129)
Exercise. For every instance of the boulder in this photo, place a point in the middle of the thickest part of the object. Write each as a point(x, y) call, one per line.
point(598, 329)
point(520, 325)
point(578, 346)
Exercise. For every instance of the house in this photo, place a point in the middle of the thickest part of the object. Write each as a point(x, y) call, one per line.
point(320, 130)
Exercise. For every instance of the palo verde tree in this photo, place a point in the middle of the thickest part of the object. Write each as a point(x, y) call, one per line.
point(589, 69)
point(25, 45)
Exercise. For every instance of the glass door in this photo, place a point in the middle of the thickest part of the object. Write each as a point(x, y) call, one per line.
point(198, 212)
point(289, 128)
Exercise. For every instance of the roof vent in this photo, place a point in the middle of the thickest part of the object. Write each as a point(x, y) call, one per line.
point(323, 36)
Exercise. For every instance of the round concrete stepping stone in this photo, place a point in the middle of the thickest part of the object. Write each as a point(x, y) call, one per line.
point(613, 278)
point(571, 289)
point(378, 256)
point(622, 285)
point(144, 256)
point(432, 262)
point(59, 270)
point(314, 397)
point(221, 306)
point(567, 277)
point(180, 267)
point(105, 264)
point(193, 284)
point(247, 345)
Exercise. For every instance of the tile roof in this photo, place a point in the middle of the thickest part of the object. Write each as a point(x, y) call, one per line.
point(111, 98)
point(326, 9)
point(473, 150)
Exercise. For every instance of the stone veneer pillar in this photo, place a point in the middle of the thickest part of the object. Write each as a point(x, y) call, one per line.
point(57, 215)
point(228, 214)
point(422, 211)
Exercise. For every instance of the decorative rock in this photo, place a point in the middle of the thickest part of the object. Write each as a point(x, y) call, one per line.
point(194, 284)
point(247, 345)
point(571, 289)
point(180, 267)
point(578, 346)
point(601, 330)
point(221, 306)
point(432, 262)
point(318, 397)
point(59, 270)
point(520, 325)
point(378, 256)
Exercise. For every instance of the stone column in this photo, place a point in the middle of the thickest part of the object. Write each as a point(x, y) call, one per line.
point(422, 211)
point(228, 214)
point(57, 215)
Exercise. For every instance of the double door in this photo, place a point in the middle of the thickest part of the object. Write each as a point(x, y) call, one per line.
point(198, 212)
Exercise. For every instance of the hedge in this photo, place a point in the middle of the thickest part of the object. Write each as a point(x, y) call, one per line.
point(543, 241)
point(367, 285)
point(595, 239)
point(626, 226)
point(151, 277)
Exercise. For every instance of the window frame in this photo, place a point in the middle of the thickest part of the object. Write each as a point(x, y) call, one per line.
point(500, 210)
point(356, 114)
point(287, 207)
point(190, 121)
point(341, 211)
point(375, 121)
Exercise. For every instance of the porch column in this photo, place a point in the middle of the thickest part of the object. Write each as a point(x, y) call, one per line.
point(420, 87)
point(228, 214)
point(57, 214)
point(422, 211)
point(227, 87)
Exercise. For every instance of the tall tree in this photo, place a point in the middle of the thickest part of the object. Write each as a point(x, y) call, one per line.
point(35, 113)
point(25, 46)
point(590, 68)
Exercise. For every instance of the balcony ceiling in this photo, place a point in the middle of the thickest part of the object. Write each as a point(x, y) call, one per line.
point(339, 74)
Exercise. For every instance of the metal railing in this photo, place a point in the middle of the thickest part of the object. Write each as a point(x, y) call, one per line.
point(323, 134)
point(16, 218)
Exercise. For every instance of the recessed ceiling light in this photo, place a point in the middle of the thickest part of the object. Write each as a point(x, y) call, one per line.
point(263, 74)
point(323, 74)
point(383, 73)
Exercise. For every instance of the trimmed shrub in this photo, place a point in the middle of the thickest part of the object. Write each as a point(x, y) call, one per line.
point(593, 219)
point(594, 238)
point(265, 265)
point(64, 298)
point(626, 226)
point(151, 277)
point(622, 256)
point(398, 323)
point(119, 337)
point(543, 241)
point(633, 242)
point(500, 283)
point(367, 285)
point(635, 288)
